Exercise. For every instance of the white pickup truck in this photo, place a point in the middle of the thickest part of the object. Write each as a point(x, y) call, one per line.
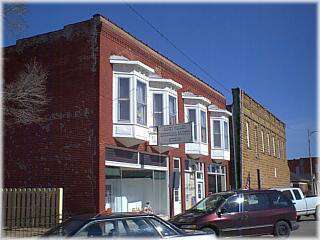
point(305, 206)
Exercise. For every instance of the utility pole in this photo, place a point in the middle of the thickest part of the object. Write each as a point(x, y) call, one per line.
point(310, 159)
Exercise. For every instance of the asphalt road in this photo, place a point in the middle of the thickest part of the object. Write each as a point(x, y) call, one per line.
point(308, 227)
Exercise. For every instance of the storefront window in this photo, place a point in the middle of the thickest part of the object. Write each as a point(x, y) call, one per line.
point(129, 189)
point(216, 178)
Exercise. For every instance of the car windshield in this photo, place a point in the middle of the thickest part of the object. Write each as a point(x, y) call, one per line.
point(211, 203)
point(66, 228)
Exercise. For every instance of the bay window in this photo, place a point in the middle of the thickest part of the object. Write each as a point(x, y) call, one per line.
point(172, 110)
point(157, 109)
point(203, 127)
point(141, 103)
point(124, 99)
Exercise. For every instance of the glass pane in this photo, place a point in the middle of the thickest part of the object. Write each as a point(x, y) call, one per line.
point(157, 103)
point(255, 202)
point(141, 92)
point(124, 84)
point(163, 229)
point(192, 118)
point(124, 110)
point(141, 114)
point(212, 183)
point(203, 127)
point(226, 136)
point(141, 103)
point(138, 227)
point(172, 110)
point(216, 134)
point(233, 204)
point(157, 119)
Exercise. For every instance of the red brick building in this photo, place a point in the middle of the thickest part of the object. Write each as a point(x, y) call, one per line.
point(300, 174)
point(106, 90)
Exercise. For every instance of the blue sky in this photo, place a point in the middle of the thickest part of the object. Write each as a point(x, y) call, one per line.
point(269, 50)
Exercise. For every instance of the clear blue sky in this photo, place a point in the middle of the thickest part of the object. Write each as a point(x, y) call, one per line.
point(269, 50)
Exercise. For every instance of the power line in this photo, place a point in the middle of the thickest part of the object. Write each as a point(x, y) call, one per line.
point(177, 48)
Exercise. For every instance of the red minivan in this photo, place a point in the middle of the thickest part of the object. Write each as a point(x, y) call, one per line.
point(241, 213)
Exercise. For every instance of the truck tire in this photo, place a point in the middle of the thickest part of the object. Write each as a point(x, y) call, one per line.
point(281, 229)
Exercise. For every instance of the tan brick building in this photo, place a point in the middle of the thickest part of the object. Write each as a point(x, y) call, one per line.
point(258, 145)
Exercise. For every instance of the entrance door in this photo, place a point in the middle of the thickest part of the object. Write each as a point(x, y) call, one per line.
point(177, 190)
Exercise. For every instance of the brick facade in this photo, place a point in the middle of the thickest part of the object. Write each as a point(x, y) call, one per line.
point(260, 154)
point(69, 149)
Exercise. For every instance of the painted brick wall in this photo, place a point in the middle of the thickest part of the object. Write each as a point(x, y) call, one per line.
point(62, 151)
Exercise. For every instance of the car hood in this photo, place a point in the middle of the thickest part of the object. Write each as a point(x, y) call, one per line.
point(188, 217)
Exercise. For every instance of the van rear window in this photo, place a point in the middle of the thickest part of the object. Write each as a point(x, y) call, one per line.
point(279, 200)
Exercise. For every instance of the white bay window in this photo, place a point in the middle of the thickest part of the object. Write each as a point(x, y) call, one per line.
point(220, 140)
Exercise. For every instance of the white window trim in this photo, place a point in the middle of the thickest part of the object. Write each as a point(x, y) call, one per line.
point(198, 107)
point(165, 103)
point(248, 134)
point(268, 142)
point(274, 147)
point(222, 120)
point(262, 141)
point(279, 150)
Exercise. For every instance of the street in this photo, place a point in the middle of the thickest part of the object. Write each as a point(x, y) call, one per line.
point(308, 228)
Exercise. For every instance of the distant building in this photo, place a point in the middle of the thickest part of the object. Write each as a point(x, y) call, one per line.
point(300, 174)
point(258, 151)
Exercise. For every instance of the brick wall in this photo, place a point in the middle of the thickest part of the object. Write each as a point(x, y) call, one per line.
point(62, 151)
point(274, 171)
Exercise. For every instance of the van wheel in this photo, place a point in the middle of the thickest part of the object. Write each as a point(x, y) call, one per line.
point(281, 229)
point(209, 230)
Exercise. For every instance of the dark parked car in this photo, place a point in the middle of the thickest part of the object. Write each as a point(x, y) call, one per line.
point(121, 225)
point(240, 213)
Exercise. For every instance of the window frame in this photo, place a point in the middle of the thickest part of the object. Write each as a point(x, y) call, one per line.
point(176, 108)
point(262, 141)
point(268, 144)
point(214, 133)
point(203, 139)
point(162, 109)
point(274, 147)
point(248, 134)
point(226, 134)
point(129, 78)
point(143, 104)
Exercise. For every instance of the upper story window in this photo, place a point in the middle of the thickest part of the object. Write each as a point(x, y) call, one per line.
point(262, 141)
point(192, 117)
point(203, 126)
point(157, 109)
point(141, 103)
point(268, 144)
point(172, 110)
point(279, 150)
point(274, 147)
point(124, 99)
point(216, 134)
point(226, 135)
point(248, 134)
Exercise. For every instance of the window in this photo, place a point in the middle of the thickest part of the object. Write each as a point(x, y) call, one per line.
point(279, 200)
point(193, 118)
point(172, 110)
point(138, 227)
point(255, 202)
point(275, 172)
point(141, 103)
point(268, 142)
point(216, 134)
point(248, 135)
point(232, 205)
point(288, 194)
point(123, 99)
point(98, 229)
point(256, 139)
point(274, 147)
point(164, 230)
point(297, 194)
point(279, 150)
point(157, 109)
point(203, 127)
point(262, 141)
point(226, 135)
